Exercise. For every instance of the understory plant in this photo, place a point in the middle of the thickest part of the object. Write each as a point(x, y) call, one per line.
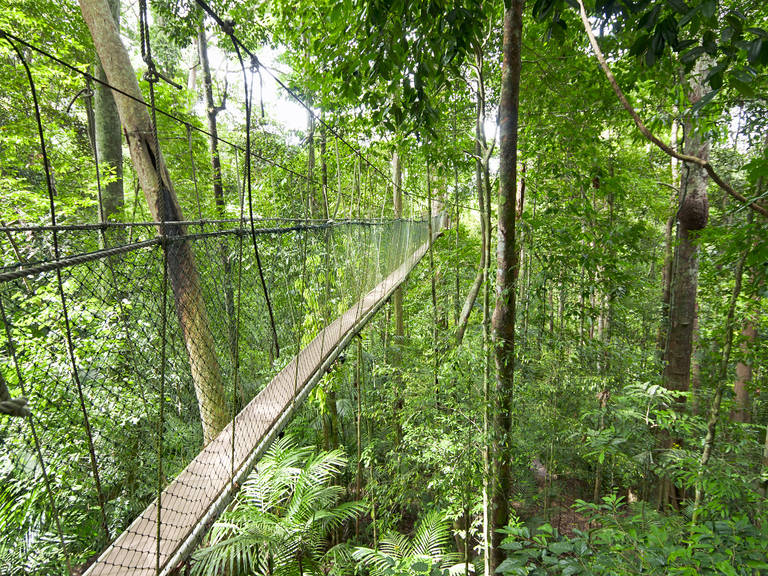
point(621, 539)
point(283, 518)
point(424, 553)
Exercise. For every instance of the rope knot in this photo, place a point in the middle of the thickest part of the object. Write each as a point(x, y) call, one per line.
point(255, 64)
point(151, 75)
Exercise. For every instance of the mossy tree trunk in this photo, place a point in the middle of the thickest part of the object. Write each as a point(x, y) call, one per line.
point(155, 180)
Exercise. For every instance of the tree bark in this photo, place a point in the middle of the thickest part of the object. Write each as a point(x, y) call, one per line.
point(692, 217)
point(108, 139)
point(212, 111)
point(397, 303)
point(744, 374)
point(159, 193)
point(507, 264)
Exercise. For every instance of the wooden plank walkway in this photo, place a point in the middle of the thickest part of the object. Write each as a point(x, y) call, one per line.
point(196, 497)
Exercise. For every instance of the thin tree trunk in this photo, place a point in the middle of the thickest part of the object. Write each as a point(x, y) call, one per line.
point(469, 303)
point(714, 413)
point(109, 140)
point(158, 189)
point(504, 314)
point(432, 274)
point(744, 373)
point(484, 204)
point(212, 111)
point(338, 181)
point(358, 429)
point(397, 303)
point(323, 168)
point(311, 200)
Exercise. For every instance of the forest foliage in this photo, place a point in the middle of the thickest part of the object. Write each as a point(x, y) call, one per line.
point(632, 432)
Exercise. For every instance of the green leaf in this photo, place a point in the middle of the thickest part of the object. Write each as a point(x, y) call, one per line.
point(709, 43)
point(691, 55)
point(708, 8)
point(678, 6)
point(648, 20)
point(561, 547)
point(755, 48)
point(706, 99)
point(512, 565)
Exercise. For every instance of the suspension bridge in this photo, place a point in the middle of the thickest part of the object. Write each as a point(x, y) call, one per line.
point(178, 350)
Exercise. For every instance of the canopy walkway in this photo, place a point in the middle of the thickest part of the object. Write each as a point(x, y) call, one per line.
point(357, 269)
point(153, 362)
point(163, 534)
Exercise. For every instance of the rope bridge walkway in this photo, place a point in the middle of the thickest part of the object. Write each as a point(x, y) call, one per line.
point(147, 362)
point(201, 490)
point(134, 381)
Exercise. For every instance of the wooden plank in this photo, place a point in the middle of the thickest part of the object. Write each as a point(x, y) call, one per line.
point(200, 492)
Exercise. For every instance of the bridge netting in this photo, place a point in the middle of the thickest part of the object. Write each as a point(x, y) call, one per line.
point(158, 366)
point(117, 420)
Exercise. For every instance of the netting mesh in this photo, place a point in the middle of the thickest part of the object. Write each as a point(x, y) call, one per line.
point(127, 421)
point(154, 371)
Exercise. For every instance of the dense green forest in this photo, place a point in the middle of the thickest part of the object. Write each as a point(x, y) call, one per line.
point(569, 379)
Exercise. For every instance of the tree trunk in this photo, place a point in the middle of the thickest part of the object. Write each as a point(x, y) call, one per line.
point(666, 273)
point(212, 112)
point(692, 217)
point(480, 145)
point(358, 428)
point(158, 189)
point(504, 314)
point(311, 200)
point(397, 304)
point(324, 168)
point(482, 186)
point(744, 375)
point(109, 139)
point(397, 195)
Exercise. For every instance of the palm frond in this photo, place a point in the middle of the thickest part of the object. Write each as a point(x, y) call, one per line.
point(431, 538)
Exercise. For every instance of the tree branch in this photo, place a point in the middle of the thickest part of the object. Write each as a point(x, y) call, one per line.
point(648, 134)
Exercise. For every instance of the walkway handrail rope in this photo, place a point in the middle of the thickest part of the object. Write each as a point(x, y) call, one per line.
point(227, 26)
point(161, 111)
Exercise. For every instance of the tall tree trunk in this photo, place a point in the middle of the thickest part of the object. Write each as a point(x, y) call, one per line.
point(482, 187)
point(155, 180)
point(692, 217)
point(212, 111)
point(481, 168)
point(504, 314)
point(397, 302)
point(109, 139)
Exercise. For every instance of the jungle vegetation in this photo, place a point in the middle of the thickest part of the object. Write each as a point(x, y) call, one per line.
point(571, 382)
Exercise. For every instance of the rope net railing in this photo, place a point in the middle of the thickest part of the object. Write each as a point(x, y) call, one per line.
point(143, 414)
point(145, 365)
